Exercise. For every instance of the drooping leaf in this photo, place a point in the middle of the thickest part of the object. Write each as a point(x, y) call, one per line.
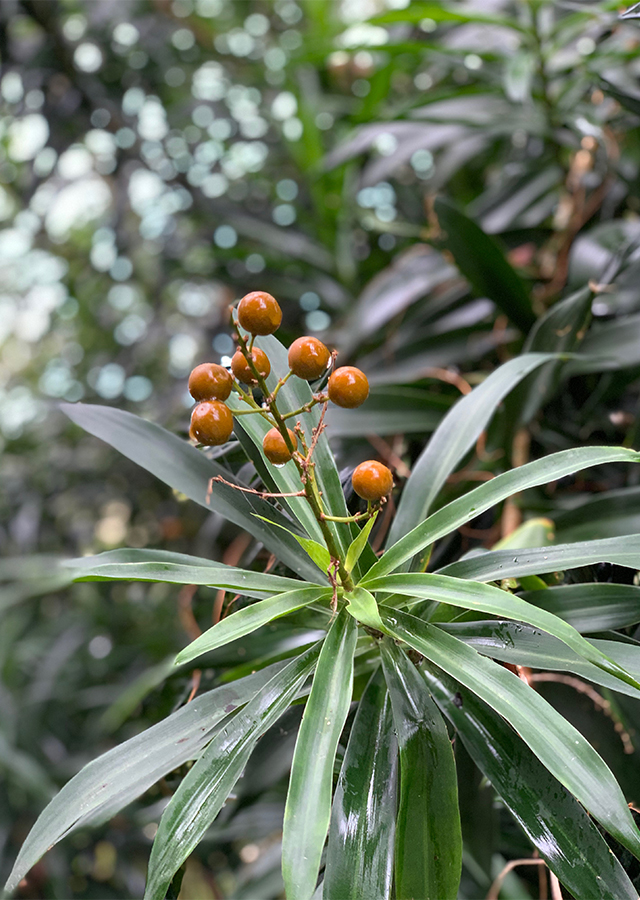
point(493, 600)
point(188, 471)
point(454, 437)
point(207, 785)
point(428, 835)
point(363, 817)
point(462, 510)
point(590, 607)
point(624, 551)
point(552, 819)
point(523, 645)
point(179, 568)
point(113, 780)
point(317, 552)
point(483, 263)
point(556, 743)
point(249, 619)
point(308, 808)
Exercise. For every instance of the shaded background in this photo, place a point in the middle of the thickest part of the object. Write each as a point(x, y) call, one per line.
point(157, 161)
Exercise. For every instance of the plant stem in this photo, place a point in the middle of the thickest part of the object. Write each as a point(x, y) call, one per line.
point(305, 469)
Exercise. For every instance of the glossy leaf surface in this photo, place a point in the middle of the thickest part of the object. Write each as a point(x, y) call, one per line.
point(204, 790)
point(363, 816)
point(114, 779)
point(522, 645)
point(453, 438)
point(250, 618)
point(308, 808)
point(462, 510)
point(177, 568)
point(489, 599)
point(188, 471)
point(590, 607)
point(556, 743)
point(624, 551)
point(428, 835)
point(549, 815)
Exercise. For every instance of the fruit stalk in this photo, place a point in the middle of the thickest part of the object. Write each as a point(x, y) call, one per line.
point(305, 468)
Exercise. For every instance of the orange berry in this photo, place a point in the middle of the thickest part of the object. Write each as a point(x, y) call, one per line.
point(308, 358)
point(241, 370)
point(211, 423)
point(259, 313)
point(209, 381)
point(372, 481)
point(275, 447)
point(348, 387)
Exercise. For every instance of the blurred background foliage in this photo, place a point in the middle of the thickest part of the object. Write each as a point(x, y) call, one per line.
point(160, 159)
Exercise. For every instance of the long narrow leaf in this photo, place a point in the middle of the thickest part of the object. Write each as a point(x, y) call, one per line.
point(308, 808)
point(428, 835)
point(188, 471)
point(556, 743)
point(489, 599)
point(451, 516)
point(246, 620)
point(552, 819)
point(363, 817)
point(523, 645)
point(624, 551)
point(204, 790)
point(453, 438)
point(113, 780)
point(179, 568)
point(590, 607)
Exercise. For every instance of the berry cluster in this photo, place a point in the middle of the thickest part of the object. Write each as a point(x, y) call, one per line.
point(210, 384)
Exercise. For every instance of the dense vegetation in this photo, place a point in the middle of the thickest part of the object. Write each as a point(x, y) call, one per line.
point(448, 194)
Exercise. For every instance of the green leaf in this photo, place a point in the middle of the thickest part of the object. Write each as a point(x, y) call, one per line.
point(559, 330)
point(454, 437)
point(552, 819)
point(590, 607)
point(188, 471)
point(308, 807)
point(439, 12)
point(523, 645)
point(451, 516)
point(246, 620)
point(533, 533)
point(623, 551)
point(389, 409)
point(482, 262)
point(204, 790)
point(556, 743)
point(178, 568)
point(361, 604)
point(358, 544)
point(603, 515)
point(361, 835)
point(317, 552)
point(110, 782)
point(493, 600)
point(428, 835)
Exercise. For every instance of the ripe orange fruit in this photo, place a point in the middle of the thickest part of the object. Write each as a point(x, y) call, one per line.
point(348, 387)
point(241, 370)
point(308, 358)
point(209, 381)
point(372, 480)
point(275, 447)
point(259, 313)
point(211, 423)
